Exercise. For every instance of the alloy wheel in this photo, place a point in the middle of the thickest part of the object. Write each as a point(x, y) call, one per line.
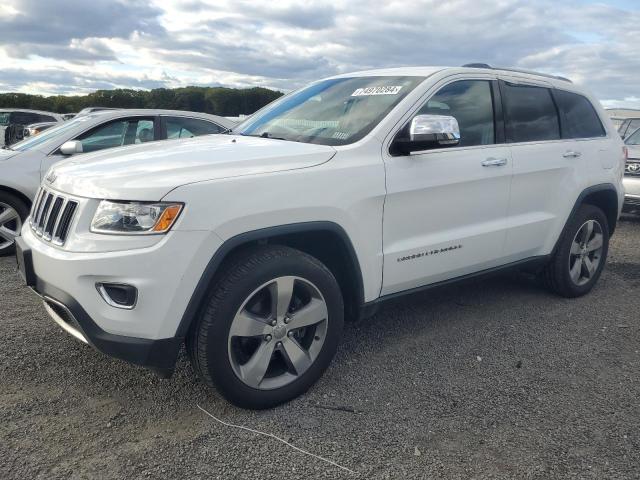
point(278, 333)
point(586, 252)
point(10, 225)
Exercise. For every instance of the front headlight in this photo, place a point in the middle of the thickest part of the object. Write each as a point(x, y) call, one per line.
point(135, 218)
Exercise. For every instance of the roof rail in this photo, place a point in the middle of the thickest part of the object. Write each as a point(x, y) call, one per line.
point(516, 70)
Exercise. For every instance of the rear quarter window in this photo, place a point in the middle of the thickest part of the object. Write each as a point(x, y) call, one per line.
point(580, 118)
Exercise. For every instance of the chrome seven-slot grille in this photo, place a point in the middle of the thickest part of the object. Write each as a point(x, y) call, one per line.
point(51, 216)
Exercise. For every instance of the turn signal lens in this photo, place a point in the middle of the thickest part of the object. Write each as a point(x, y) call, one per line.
point(167, 218)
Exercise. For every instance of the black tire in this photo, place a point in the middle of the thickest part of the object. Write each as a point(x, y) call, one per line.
point(21, 208)
point(207, 342)
point(556, 273)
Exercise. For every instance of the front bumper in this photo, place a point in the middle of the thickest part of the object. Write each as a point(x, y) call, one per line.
point(165, 274)
point(159, 355)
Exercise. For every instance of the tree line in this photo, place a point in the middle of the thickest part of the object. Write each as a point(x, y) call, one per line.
point(229, 102)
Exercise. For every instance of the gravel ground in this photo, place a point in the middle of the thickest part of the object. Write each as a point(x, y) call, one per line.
point(493, 379)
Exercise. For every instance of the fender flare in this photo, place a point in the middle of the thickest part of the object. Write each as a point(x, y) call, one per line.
point(602, 187)
point(199, 293)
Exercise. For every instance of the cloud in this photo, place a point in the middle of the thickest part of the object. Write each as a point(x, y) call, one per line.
point(285, 44)
point(304, 16)
point(83, 51)
point(73, 29)
point(59, 81)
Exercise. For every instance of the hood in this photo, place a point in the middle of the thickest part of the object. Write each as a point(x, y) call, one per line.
point(150, 171)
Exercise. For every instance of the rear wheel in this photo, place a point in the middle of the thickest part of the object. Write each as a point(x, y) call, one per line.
point(581, 254)
point(270, 327)
point(13, 213)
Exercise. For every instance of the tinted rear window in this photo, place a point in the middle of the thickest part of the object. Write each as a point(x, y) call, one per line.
point(530, 114)
point(581, 119)
point(24, 118)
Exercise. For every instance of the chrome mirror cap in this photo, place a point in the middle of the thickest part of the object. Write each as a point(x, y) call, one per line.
point(443, 128)
point(71, 147)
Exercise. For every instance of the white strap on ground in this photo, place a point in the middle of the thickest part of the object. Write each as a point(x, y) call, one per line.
point(278, 439)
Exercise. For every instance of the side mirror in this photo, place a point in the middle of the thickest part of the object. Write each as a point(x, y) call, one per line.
point(426, 132)
point(71, 147)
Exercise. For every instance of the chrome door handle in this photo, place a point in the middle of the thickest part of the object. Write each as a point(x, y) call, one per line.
point(494, 162)
point(571, 154)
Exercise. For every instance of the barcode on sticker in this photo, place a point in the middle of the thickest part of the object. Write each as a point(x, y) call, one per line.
point(388, 90)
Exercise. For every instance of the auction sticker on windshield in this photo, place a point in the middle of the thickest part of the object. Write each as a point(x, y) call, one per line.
point(386, 90)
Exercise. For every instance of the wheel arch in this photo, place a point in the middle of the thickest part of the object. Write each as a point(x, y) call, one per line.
point(603, 196)
point(327, 241)
point(17, 193)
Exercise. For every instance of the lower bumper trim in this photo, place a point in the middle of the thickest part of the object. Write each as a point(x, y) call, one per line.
point(158, 355)
point(631, 203)
point(52, 307)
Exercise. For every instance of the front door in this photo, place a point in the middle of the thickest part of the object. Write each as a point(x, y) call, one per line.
point(446, 209)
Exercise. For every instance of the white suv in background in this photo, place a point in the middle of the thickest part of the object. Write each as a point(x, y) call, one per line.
point(254, 246)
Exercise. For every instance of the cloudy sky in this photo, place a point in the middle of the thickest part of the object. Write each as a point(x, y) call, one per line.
point(76, 46)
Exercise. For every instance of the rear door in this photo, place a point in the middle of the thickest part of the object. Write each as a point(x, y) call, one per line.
point(554, 144)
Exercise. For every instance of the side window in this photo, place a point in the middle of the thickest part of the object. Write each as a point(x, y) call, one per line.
point(144, 131)
point(623, 129)
point(470, 103)
point(24, 118)
point(581, 118)
point(633, 126)
point(182, 127)
point(126, 131)
point(530, 113)
point(634, 138)
point(45, 118)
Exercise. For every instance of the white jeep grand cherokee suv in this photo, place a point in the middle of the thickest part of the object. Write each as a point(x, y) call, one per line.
point(253, 247)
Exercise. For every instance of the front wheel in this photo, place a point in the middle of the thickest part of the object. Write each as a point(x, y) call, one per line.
point(581, 254)
point(270, 327)
point(13, 213)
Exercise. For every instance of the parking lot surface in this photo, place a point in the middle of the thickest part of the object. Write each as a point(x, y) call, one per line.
point(491, 379)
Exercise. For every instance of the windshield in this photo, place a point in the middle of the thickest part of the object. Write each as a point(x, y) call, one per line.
point(337, 111)
point(634, 138)
point(48, 134)
point(4, 118)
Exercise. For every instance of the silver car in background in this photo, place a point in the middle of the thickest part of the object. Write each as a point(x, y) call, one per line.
point(23, 164)
point(632, 173)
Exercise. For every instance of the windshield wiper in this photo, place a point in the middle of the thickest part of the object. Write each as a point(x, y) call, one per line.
point(268, 135)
